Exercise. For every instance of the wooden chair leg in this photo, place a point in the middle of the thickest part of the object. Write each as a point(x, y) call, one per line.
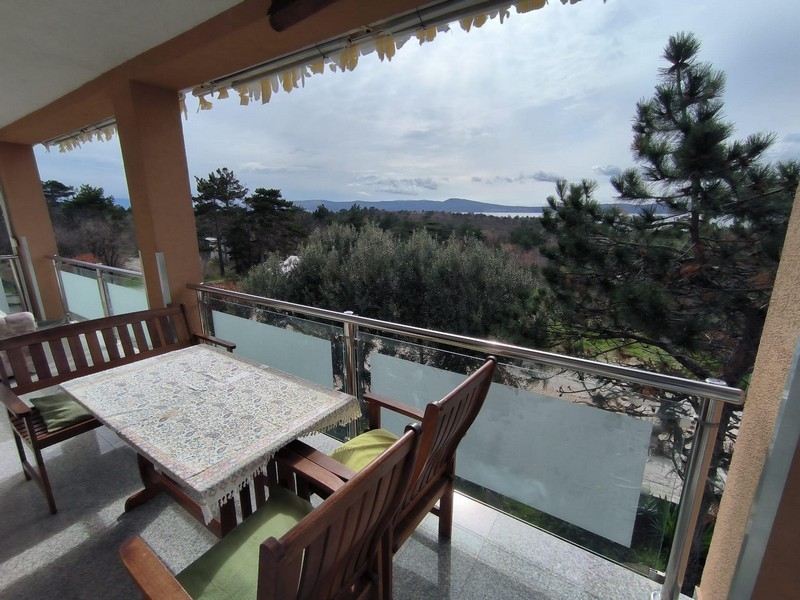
point(23, 459)
point(385, 567)
point(446, 512)
point(44, 481)
point(37, 473)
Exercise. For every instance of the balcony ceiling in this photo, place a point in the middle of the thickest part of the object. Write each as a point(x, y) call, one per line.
point(48, 49)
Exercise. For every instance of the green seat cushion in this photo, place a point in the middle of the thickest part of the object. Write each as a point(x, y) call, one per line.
point(363, 449)
point(60, 410)
point(230, 568)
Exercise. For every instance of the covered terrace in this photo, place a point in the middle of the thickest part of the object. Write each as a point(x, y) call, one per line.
point(72, 70)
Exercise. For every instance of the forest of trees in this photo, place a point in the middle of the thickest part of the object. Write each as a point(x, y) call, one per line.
point(681, 288)
point(89, 225)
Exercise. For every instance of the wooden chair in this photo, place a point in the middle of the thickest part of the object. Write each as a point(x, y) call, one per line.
point(339, 550)
point(444, 424)
point(47, 357)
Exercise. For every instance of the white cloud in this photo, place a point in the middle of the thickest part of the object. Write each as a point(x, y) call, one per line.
point(394, 186)
point(495, 115)
point(607, 170)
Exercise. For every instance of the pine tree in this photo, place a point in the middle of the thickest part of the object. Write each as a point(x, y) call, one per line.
point(686, 283)
point(691, 275)
point(217, 197)
point(266, 223)
point(55, 192)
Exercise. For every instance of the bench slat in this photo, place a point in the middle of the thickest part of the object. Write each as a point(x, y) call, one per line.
point(125, 339)
point(139, 336)
point(110, 342)
point(95, 351)
point(78, 352)
point(41, 363)
point(154, 332)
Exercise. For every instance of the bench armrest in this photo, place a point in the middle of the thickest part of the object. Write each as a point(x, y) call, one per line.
point(149, 573)
point(12, 402)
point(376, 402)
point(214, 341)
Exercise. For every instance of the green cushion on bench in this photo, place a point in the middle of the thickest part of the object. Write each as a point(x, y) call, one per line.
point(363, 449)
point(230, 568)
point(59, 411)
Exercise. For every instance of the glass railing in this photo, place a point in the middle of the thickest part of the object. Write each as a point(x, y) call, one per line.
point(91, 291)
point(14, 297)
point(608, 457)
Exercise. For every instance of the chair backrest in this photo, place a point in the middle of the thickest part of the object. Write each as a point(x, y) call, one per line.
point(444, 424)
point(334, 552)
point(51, 356)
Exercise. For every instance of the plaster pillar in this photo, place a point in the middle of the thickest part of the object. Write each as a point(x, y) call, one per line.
point(28, 218)
point(153, 151)
point(775, 352)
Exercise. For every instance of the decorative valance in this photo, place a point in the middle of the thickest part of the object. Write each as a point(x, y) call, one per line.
point(343, 53)
point(102, 131)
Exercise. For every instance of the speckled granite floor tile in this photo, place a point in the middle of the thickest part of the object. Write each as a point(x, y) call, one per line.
point(73, 555)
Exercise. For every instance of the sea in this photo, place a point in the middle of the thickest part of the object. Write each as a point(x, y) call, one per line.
point(511, 214)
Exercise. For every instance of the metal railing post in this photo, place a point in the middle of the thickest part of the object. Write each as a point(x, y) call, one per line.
point(35, 295)
point(19, 281)
point(205, 313)
point(61, 290)
point(104, 301)
point(351, 382)
point(691, 498)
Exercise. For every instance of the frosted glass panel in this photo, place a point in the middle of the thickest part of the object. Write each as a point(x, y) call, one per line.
point(126, 299)
point(575, 462)
point(83, 295)
point(10, 298)
point(302, 355)
point(4, 303)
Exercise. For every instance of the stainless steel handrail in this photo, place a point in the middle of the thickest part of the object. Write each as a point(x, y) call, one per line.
point(95, 267)
point(600, 369)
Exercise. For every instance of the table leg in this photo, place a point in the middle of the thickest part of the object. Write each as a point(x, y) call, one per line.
point(154, 482)
point(151, 488)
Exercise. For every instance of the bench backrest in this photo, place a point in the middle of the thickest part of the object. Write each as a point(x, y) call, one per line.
point(50, 356)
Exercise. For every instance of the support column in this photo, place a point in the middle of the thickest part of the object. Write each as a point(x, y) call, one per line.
point(151, 140)
point(775, 352)
point(28, 218)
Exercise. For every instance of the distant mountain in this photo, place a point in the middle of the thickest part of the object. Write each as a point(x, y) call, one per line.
point(452, 205)
point(456, 205)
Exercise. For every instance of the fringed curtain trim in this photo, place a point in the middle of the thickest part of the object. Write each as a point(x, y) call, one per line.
point(384, 43)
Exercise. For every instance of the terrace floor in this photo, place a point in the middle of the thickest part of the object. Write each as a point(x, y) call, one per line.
point(73, 555)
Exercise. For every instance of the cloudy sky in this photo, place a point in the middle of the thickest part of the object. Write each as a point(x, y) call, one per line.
point(495, 115)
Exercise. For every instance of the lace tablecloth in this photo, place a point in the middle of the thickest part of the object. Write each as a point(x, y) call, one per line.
point(208, 419)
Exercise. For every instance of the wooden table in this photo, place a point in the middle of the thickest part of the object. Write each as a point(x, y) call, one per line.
point(206, 422)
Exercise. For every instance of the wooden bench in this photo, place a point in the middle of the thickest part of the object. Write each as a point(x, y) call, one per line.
point(48, 357)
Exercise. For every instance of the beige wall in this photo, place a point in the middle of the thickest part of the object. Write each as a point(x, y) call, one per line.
point(153, 150)
point(778, 341)
point(28, 217)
